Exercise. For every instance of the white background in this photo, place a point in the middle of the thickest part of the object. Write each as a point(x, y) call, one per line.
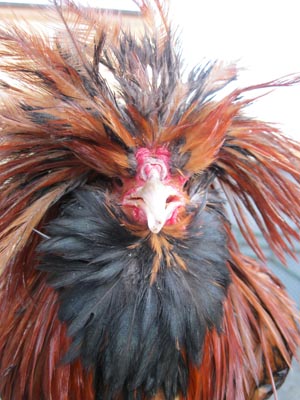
point(262, 36)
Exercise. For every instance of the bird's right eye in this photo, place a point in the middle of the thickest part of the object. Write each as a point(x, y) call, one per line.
point(118, 182)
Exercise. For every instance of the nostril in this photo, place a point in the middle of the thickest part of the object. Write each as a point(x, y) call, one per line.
point(135, 198)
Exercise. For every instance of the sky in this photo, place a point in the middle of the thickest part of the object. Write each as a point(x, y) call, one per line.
point(261, 36)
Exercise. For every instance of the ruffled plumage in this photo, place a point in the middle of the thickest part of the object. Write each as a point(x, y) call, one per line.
point(75, 108)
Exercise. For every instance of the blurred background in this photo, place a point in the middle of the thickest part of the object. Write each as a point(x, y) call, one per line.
point(262, 37)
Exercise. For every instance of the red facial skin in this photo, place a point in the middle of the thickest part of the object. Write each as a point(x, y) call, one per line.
point(154, 196)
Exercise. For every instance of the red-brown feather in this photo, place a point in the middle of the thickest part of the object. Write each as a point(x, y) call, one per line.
point(259, 175)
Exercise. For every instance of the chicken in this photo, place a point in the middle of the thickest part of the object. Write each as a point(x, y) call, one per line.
point(121, 277)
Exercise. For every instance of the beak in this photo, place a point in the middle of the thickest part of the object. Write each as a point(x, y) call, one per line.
point(158, 201)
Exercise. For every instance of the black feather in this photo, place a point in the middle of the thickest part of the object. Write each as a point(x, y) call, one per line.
point(138, 337)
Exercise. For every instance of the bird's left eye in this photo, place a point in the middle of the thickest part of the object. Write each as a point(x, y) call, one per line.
point(186, 185)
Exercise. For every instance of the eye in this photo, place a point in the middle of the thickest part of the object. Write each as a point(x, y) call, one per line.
point(172, 199)
point(118, 182)
point(187, 185)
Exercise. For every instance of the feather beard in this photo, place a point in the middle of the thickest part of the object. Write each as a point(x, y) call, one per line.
point(62, 123)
